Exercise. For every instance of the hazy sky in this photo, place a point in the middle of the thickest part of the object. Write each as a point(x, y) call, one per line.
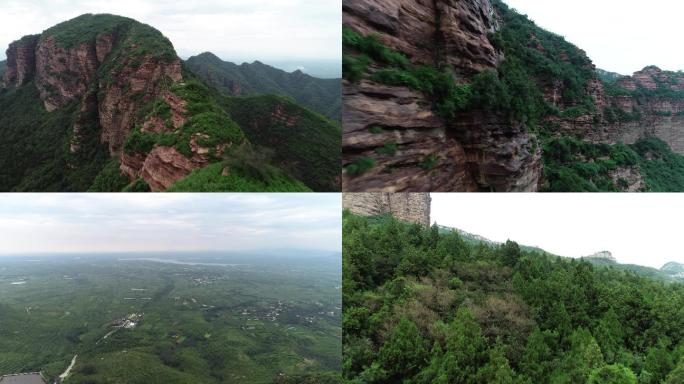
point(170, 222)
point(642, 229)
point(621, 36)
point(235, 30)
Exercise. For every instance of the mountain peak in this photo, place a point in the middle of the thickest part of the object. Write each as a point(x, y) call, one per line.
point(208, 55)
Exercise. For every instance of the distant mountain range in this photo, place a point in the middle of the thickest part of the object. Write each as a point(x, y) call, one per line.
point(257, 78)
point(672, 271)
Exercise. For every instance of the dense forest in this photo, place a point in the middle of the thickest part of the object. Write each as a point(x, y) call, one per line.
point(425, 306)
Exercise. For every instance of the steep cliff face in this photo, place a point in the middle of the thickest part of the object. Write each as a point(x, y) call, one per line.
point(429, 151)
point(21, 57)
point(649, 103)
point(112, 69)
point(410, 207)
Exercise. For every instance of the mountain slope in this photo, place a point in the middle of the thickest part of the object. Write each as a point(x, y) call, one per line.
point(423, 307)
point(310, 152)
point(102, 103)
point(321, 95)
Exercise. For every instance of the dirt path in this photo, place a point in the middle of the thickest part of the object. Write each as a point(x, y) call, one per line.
point(68, 370)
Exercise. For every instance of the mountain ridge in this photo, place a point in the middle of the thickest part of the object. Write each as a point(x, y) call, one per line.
point(321, 95)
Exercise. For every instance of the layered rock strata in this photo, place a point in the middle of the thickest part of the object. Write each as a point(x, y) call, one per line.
point(470, 153)
point(409, 207)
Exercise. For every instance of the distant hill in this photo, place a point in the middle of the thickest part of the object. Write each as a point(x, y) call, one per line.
point(477, 239)
point(607, 76)
point(672, 272)
point(321, 95)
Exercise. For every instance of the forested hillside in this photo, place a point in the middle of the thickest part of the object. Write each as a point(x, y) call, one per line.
point(321, 95)
point(422, 306)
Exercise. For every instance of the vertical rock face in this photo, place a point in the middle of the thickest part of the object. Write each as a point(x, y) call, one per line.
point(62, 74)
point(21, 61)
point(410, 207)
point(469, 153)
point(138, 78)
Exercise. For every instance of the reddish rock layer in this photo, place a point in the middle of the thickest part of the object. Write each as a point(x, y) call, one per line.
point(473, 152)
point(661, 117)
point(21, 61)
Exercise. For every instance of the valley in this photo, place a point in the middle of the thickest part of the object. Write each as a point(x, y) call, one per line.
point(176, 318)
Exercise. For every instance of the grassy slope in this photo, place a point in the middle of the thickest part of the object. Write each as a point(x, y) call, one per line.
point(209, 179)
point(321, 95)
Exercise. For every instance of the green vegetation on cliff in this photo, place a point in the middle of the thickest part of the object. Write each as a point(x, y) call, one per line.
point(212, 179)
point(34, 152)
point(141, 39)
point(422, 306)
point(573, 165)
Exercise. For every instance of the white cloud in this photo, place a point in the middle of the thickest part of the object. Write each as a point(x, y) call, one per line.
point(619, 35)
point(170, 222)
point(640, 229)
point(235, 30)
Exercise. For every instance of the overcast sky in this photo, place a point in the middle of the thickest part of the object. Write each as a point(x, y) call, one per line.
point(37, 223)
point(622, 36)
point(235, 30)
point(642, 229)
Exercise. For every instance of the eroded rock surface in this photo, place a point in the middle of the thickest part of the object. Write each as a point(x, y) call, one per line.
point(470, 153)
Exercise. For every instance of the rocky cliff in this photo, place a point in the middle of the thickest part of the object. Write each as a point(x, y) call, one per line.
point(470, 152)
point(111, 70)
point(111, 89)
point(410, 207)
point(649, 103)
point(469, 95)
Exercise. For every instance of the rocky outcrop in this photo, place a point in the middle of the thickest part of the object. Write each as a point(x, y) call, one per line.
point(129, 89)
point(472, 152)
point(427, 31)
point(409, 207)
point(376, 115)
point(21, 61)
point(164, 166)
point(605, 255)
point(658, 116)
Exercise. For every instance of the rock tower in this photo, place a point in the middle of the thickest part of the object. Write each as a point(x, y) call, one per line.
point(410, 207)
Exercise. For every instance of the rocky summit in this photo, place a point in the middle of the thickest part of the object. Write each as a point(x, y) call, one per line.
point(473, 96)
point(103, 103)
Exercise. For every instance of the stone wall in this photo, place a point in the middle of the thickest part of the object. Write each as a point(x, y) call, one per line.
point(410, 207)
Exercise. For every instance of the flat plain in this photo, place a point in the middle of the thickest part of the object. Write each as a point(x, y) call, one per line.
point(173, 318)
